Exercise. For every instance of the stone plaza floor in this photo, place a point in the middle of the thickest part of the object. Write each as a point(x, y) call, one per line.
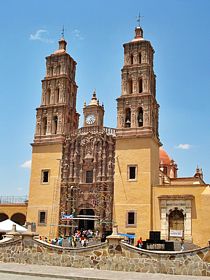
point(13, 271)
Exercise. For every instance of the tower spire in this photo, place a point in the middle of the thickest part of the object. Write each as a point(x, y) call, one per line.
point(138, 29)
point(139, 20)
point(62, 42)
point(62, 33)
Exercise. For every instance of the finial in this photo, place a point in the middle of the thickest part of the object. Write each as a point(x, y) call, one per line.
point(94, 93)
point(84, 103)
point(139, 20)
point(62, 33)
point(94, 100)
point(138, 29)
point(62, 42)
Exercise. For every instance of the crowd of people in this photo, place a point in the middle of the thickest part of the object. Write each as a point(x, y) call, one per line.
point(80, 238)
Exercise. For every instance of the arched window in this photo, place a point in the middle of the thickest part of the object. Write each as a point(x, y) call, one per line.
point(130, 87)
point(48, 96)
point(131, 59)
point(55, 125)
point(139, 58)
point(44, 126)
point(140, 117)
point(57, 96)
point(140, 85)
point(128, 117)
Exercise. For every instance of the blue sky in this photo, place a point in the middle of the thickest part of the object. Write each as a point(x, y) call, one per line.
point(179, 31)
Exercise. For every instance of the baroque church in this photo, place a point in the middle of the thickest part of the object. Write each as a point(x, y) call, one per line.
point(94, 177)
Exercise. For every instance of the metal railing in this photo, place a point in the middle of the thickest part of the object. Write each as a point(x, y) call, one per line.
point(13, 199)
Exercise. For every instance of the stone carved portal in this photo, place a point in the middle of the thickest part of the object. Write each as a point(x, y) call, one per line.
point(176, 215)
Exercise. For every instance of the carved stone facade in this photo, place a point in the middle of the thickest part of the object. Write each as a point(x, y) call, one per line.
point(88, 171)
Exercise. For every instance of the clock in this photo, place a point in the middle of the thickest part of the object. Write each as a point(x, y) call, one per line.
point(90, 119)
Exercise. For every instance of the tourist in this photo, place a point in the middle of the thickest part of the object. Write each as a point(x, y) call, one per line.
point(139, 243)
point(60, 241)
point(103, 237)
point(74, 241)
point(82, 240)
point(54, 241)
point(182, 244)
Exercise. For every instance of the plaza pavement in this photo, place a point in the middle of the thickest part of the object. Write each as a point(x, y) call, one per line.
point(13, 271)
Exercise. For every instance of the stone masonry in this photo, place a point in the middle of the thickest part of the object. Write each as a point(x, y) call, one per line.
point(112, 255)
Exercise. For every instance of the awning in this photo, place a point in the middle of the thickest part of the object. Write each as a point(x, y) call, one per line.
point(131, 236)
point(6, 226)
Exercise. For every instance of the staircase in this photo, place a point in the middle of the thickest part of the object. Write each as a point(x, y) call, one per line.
point(187, 246)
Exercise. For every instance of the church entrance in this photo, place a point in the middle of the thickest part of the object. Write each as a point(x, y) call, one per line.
point(176, 225)
point(88, 221)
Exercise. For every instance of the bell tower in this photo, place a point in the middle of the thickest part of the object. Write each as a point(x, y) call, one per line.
point(137, 108)
point(137, 139)
point(93, 113)
point(56, 118)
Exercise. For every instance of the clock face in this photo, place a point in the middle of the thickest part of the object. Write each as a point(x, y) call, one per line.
point(90, 119)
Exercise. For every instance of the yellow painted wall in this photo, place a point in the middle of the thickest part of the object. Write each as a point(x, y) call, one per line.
point(11, 209)
point(41, 196)
point(135, 195)
point(200, 209)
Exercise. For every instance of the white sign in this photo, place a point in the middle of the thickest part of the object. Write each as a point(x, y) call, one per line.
point(176, 233)
point(65, 217)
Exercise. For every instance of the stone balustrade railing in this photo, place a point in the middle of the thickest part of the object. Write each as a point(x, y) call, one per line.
point(95, 129)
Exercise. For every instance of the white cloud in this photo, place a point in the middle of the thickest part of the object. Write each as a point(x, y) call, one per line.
point(26, 164)
point(184, 146)
point(77, 34)
point(41, 35)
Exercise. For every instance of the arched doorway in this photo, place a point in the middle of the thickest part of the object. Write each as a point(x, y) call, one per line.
point(19, 218)
point(176, 225)
point(3, 217)
point(86, 224)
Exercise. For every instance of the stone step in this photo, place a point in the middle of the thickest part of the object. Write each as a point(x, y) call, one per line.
point(187, 246)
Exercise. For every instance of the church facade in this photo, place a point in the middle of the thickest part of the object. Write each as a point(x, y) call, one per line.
point(96, 176)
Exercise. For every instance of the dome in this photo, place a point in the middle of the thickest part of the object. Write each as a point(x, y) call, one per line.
point(164, 157)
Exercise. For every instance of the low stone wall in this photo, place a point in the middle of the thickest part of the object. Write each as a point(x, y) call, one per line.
point(113, 255)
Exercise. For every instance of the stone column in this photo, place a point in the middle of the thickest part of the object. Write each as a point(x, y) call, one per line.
point(188, 222)
point(28, 237)
point(114, 239)
point(164, 224)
